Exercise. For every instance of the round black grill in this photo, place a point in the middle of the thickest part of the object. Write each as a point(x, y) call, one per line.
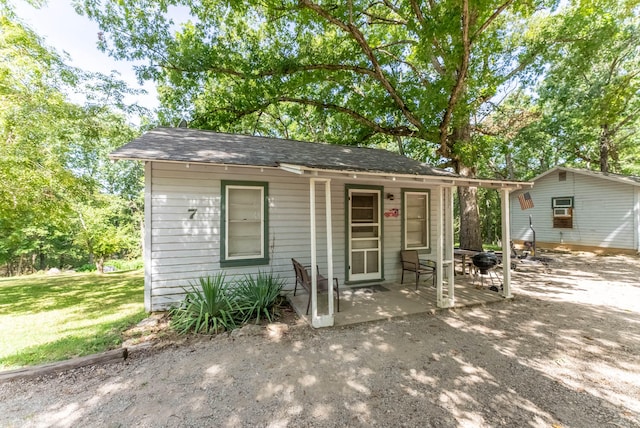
point(485, 261)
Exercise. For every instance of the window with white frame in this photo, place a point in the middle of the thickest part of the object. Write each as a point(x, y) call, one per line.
point(562, 212)
point(416, 220)
point(244, 223)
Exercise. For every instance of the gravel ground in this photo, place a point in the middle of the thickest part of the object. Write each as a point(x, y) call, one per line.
point(563, 353)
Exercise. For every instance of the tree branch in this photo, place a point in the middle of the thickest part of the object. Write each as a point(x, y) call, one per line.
point(438, 67)
point(417, 11)
point(402, 131)
point(281, 72)
point(581, 154)
point(392, 7)
point(492, 18)
point(375, 19)
point(460, 81)
point(398, 42)
point(368, 51)
point(417, 72)
point(399, 130)
point(631, 116)
point(420, 17)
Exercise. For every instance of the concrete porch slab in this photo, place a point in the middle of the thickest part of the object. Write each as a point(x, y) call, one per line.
point(391, 300)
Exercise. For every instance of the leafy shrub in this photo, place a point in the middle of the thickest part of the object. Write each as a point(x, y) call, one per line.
point(125, 264)
point(207, 308)
point(89, 267)
point(212, 306)
point(258, 295)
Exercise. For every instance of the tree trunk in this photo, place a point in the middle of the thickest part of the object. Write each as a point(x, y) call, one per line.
point(100, 264)
point(605, 144)
point(41, 258)
point(470, 227)
point(400, 146)
point(510, 168)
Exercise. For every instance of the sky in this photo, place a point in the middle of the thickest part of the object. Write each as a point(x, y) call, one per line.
point(66, 31)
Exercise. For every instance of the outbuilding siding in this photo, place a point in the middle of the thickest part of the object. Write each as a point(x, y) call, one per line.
point(605, 212)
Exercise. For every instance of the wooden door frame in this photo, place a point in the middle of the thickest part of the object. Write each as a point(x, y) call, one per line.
point(351, 188)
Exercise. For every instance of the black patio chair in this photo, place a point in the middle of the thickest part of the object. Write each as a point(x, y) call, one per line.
point(411, 263)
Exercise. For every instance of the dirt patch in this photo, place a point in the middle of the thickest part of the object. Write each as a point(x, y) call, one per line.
point(563, 352)
point(155, 332)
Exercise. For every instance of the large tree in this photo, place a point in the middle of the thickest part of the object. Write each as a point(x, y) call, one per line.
point(583, 111)
point(53, 151)
point(591, 93)
point(407, 74)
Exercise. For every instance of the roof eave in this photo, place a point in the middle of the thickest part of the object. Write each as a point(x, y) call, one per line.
point(443, 180)
point(446, 180)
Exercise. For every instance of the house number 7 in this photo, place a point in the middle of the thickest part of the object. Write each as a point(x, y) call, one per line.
point(193, 212)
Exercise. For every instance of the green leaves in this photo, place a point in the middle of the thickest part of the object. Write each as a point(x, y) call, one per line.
point(53, 155)
point(212, 305)
point(429, 77)
point(206, 308)
point(258, 296)
point(591, 95)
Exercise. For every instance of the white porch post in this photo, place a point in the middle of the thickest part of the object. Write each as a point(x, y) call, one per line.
point(448, 200)
point(636, 219)
point(444, 251)
point(506, 245)
point(439, 248)
point(148, 238)
point(321, 320)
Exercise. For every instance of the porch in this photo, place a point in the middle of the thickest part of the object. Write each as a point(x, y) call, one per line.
point(391, 300)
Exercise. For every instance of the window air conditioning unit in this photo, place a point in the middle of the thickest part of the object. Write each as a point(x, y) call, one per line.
point(561, 212)
point(562, 203)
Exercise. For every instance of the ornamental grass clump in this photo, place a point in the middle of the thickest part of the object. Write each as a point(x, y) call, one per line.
point(259, 296)
point(209, 307)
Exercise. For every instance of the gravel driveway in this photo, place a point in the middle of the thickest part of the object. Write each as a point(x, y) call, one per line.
point(565, 352)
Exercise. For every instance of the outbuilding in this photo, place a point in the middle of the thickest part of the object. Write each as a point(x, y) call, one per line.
point(242, 204)
point(578, 209)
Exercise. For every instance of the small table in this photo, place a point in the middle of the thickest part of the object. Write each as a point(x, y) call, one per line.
point(463, 255)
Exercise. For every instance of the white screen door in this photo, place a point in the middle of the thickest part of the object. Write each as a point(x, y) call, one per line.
point(364, 235)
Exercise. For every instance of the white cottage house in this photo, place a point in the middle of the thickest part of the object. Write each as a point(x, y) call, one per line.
point(579, 209)
point(241, 204)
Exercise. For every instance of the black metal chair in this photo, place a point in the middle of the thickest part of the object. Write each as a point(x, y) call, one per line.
point(303, 278)
point(411, 263)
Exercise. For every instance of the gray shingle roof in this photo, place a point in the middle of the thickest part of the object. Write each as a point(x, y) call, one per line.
point(197, 146)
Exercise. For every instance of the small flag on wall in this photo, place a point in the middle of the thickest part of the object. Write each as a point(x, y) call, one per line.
point(525, 201)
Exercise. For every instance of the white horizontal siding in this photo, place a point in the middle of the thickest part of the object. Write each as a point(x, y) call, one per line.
point(185, 249)
point(391, 228)
point(182, 239)
point(603, 214)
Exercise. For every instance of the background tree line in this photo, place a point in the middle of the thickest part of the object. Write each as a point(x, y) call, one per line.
point(489, 88)
point(62, 203)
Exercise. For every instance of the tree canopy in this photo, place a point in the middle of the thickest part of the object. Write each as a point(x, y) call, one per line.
point(416, 77)
point(53, 163)
point(496, 88)
point(357, 73)
point(591, 92)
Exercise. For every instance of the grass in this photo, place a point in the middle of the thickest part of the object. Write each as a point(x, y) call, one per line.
point(485, 247)
point(50, 318)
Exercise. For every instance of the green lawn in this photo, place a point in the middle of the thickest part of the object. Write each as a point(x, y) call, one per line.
point(49, 318)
